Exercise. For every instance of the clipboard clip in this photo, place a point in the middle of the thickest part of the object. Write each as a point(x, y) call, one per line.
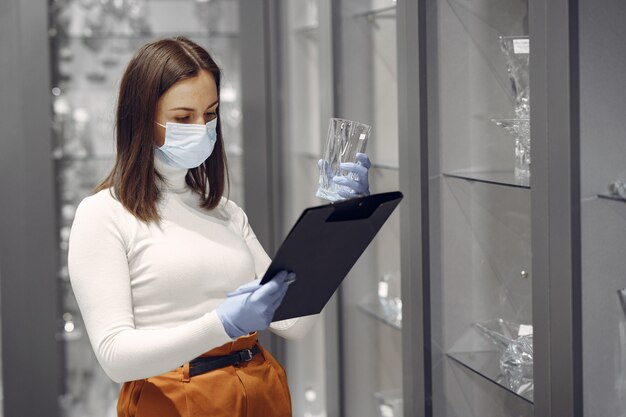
point(355, 209)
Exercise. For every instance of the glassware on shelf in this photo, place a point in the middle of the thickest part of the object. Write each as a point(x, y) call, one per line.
point(618, 189)
point(345, 139)
point(389, 403)
point(92, 21)
point(520, 130)
point(386, 305)
point(61, 122)
point(311, 12)
point(515, 343)
point(205, 10)
point(390, 301)
point(517, 52)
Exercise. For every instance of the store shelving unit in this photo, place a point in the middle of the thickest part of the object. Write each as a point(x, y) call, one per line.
point(479, 233)
point(472, 241)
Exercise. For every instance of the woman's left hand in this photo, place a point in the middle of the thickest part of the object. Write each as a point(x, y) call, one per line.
point(355, 187)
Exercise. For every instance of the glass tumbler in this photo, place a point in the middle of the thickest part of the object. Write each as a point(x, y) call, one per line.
point(345, 139)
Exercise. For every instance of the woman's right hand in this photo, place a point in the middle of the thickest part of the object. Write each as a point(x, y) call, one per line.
point(253, 310)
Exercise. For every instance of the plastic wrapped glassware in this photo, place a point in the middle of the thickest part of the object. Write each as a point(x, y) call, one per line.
point(389, 298)
point(389, 403)
point(618, 189)
point(515, 342)
point(520, 130)
point(517, 52)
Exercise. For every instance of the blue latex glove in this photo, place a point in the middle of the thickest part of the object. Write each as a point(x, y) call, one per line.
point(256, 284)
point(252, 307)
point(251, 286)
point(357, 187)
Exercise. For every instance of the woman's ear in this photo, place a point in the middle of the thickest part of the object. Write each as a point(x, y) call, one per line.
point(159, 135)
point(159, 131)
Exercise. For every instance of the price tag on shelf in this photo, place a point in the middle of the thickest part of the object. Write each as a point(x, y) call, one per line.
point(383, 289)
point(521, 46)
point(525, 330)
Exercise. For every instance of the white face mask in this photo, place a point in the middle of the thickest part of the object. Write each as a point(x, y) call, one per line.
point(187, 145)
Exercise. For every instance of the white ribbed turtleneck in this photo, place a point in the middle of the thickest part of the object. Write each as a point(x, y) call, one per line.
point(174, 176)
point(148, 293)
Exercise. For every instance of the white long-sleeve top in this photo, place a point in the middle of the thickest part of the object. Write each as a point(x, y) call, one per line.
point(148, 293)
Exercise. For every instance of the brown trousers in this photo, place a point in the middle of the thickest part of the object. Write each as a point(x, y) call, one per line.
point(257, 388)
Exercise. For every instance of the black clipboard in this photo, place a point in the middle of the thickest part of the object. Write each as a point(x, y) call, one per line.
point(323, 246)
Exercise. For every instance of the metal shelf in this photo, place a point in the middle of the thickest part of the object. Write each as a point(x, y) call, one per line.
point(372, 307)
point(503, 178)
point(612, 197)
point(388, 12)
point(487, 365)
point(307, 30)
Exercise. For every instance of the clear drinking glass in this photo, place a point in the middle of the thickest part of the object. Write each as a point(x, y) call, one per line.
point(345, 139)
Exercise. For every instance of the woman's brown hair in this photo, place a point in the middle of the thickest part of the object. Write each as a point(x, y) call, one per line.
point(156, 67)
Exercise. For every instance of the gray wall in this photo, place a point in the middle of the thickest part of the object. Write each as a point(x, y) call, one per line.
point(31, 357)
point(603, 160)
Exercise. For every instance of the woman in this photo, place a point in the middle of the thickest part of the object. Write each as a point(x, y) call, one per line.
point(156, 250)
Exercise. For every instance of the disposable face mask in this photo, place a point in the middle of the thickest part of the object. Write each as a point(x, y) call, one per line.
point(187, 145)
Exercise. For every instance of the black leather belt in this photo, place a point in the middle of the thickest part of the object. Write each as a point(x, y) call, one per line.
point(201, 365)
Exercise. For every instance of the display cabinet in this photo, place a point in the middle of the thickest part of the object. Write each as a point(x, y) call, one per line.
point(479, 206)
point(91, 42)
point(512, 270)
point(338, 60)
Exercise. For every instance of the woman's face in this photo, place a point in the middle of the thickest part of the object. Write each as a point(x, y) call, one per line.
point(192, 100)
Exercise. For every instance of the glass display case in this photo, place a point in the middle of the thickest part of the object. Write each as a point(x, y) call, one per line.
point(478, 123)
point(91, 42)
point(355, 60)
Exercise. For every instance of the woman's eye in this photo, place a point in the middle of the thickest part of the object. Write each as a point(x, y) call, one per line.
point(210, 116)
point(182, 119)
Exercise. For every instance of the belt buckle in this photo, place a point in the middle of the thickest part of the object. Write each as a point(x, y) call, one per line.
point(245, 355)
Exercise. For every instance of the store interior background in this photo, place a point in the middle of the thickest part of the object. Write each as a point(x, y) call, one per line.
point(90, 43)
point(288, 66)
